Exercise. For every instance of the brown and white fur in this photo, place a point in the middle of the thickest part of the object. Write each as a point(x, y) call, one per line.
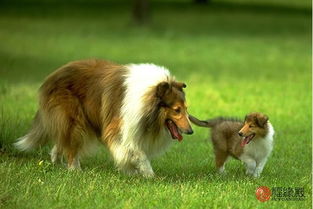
point(250, 141)
point(133, 109)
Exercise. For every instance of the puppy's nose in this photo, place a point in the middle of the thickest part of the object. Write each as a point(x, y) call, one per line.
point(240, 133)
point(189, 132)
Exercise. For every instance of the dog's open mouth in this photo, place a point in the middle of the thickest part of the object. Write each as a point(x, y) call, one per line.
point(247, 139)
point(173, 129)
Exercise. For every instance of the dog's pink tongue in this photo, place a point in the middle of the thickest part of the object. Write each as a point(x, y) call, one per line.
point(174, 131)
point(179, 137)
point(244, 141)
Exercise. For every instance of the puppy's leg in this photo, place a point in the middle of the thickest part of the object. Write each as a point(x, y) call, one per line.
point(220, 159)
point(250, 164)
point(259, 167)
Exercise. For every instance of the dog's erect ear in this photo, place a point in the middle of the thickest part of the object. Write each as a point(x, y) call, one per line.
point(162, 88)
point(262, 120)
point(179, 85)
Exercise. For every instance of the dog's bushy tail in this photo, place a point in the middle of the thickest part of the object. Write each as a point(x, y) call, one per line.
point(36, 137)
point(210, 123)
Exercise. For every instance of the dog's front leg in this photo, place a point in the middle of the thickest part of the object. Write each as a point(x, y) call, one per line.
point(131, 161)
point(142, 163)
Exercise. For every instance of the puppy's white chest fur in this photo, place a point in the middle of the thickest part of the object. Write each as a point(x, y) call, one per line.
point(255, 153)
point(259, 149)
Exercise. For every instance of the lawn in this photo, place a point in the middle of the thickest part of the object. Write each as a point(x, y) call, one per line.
point(235, 59)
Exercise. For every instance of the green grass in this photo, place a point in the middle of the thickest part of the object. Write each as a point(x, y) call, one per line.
point(234, 59)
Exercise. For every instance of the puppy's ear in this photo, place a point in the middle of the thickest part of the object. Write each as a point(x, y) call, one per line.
point(262, 120)
point(162, 88)
point(179, 85)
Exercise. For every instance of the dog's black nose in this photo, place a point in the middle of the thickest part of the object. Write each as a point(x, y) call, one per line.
point(240, 133)
point(190, 132)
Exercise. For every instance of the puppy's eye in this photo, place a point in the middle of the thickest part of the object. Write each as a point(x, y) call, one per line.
point(251, 126)
point(177, 110)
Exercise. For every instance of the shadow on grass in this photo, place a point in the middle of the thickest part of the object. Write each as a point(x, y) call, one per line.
point(105, 168)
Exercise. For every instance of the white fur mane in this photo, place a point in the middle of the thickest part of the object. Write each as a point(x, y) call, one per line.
point(139, 80)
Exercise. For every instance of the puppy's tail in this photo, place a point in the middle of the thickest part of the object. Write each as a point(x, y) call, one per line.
point(36, 136)
point(206, 123)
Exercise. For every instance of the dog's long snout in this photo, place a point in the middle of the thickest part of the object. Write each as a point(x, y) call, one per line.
point(240, 133)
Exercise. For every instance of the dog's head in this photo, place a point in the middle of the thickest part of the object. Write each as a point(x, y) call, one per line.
point(254, 127)
point(172, 100)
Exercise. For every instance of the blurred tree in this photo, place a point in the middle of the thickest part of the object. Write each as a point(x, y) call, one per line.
point(141, 11)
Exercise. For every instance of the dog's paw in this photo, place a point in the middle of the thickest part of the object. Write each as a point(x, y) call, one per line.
point(249, 172)
point(221, 171)
point(256, 175)
point(129, 171)
point(73, 168)
point(148, 174)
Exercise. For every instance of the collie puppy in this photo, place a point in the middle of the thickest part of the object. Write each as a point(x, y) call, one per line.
point(135, 110)
point(250, 141)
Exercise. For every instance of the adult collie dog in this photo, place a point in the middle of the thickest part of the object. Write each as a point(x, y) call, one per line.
point(135, 110)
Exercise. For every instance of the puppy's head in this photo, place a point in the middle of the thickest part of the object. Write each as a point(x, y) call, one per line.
point(172, 100)
point(255, 126)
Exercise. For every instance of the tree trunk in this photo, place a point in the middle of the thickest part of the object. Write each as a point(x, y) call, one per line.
point(141, 11)
point(201, 1)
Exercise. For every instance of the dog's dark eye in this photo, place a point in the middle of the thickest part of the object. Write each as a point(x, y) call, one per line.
point(177, 110)
point(251, 126)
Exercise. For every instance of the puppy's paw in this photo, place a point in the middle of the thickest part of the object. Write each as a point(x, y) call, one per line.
point(256, 175)
point(249, 172)
point(221, 171)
